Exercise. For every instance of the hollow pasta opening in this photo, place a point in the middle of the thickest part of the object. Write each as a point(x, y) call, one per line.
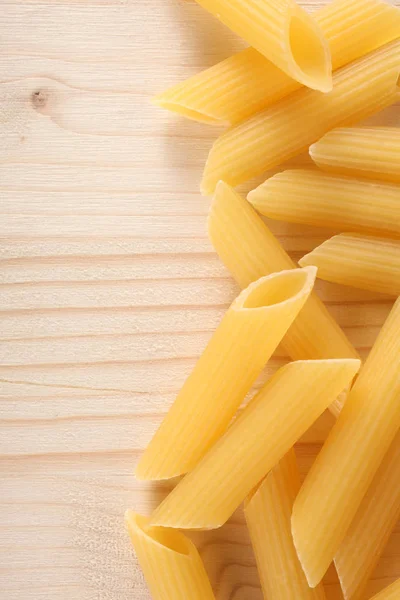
point(165, 537)
point(309, 52)
point(278, 289)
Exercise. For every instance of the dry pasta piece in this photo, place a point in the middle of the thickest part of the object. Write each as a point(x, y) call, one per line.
point(242, 240)
point(314, 334)
point(239, 349)
point(371, 152)
point(170, 561)
point(348, 39)
point(229, 91)
point(322, 200)
point(268, 509)
point(247, 82)
point(390, 593)
point(359, 261)
point(267, 428)
point(290, 126)
point(282, 32)
point(370, 529)
point(344, 469)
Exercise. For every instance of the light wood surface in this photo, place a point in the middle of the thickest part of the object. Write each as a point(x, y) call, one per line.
point(110, 289)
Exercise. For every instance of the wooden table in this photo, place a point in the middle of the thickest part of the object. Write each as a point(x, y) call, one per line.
point(110, 289)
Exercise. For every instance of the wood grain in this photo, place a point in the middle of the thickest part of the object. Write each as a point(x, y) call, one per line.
point(109, 289)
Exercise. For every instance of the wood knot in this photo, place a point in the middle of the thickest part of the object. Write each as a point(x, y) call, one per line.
point(40, 99)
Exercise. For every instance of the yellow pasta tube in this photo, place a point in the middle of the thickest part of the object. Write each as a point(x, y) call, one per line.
point(370, 529)
point(322, 200)
point(247, 82)
point(390, 593)
point(249, 250)
point(268, 427)
point(240, 347)
point(287, 128)
point(170, 562)
point(344, 469)
point(358, 261)
point(242, 240)
point(371, 152)
point(229, 91)
point(284, 33)
point(268, 509)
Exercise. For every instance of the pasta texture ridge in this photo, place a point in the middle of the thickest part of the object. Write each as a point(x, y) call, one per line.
point(314, 333)
point(226, 93)
point(236, 354)
point(366, 152)
point(344, 469)
point(260, 436)
point(268, 510)
point(170, 561)
point(323, 200)
point(290, 126)
point(370, 529)
point(359, 261)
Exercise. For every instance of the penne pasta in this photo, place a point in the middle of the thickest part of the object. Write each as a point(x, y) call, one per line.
point(322, 200)
point(314, 333)
point(242, 240)
point(246, 83)
point(239, 349)
point(358, 261)
point(267, 428)
point(349, 39)
point(287, 128)
point(268, 509)
point(370, 529)
point(170, 562)
point(282, 32)
point(230, 91)
point(370, 152)
point(344, 469)
point(390, 593)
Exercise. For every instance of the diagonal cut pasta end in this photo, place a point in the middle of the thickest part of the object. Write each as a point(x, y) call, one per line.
point(308, 53)
point(311, 258)
point(210, 177)
point(221, 197)
point(265, 199)
point(285, 287)
point(168, 101)
point(170, 561)
point(231, 218)
point(139, 529)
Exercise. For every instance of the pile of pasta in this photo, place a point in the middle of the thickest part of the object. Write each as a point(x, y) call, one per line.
point(300, 85)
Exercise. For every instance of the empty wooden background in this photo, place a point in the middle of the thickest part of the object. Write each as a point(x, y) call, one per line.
point(109, 289)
